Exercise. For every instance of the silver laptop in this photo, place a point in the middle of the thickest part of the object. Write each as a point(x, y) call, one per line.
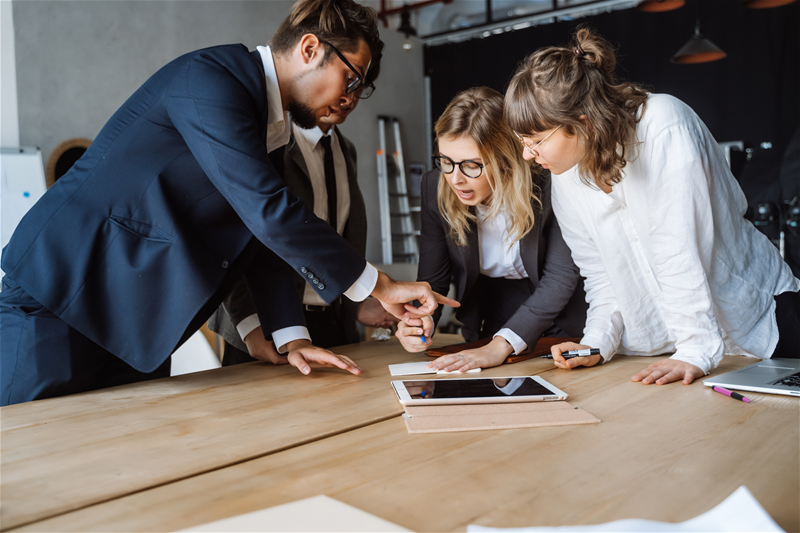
point(773, 376)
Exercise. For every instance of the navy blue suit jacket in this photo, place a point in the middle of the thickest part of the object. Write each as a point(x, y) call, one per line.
point(134, 243)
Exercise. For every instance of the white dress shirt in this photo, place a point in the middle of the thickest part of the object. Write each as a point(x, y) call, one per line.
point(671, 265)
point(314, 155)
point(498, 259)
point(278, 134)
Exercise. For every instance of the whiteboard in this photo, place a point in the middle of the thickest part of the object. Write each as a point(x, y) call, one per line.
point(22, 183)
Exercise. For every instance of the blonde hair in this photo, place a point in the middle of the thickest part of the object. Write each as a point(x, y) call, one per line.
point(478, 114)
point(555, 86)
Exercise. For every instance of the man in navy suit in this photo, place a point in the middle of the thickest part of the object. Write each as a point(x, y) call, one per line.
point(177, 197)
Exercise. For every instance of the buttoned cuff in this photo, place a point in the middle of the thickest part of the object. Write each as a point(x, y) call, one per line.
point(284, 336)
point(513, 339)
point(364, 285)
point(246, 326)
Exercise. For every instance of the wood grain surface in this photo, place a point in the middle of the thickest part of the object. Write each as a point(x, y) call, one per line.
point(65, 453)
point(664, 453)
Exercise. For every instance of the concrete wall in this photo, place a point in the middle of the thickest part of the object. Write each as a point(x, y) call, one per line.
point(78, 61)
point(9, 119)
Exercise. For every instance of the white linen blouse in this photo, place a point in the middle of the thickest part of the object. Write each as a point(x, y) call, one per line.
point(499, 259)
point(671, 264)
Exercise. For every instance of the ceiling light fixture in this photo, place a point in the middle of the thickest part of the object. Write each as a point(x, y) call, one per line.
point(406, 28)
point(764, 4)
point(698, 50)
point(657, 6)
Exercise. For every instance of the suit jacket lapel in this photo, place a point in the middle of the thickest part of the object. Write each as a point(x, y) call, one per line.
point(264, 119)
point(470, 255)
point(532, 254)
point(355, 231)
point(296, 174)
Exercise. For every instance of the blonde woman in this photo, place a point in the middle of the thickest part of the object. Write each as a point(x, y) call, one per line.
point(488, 226)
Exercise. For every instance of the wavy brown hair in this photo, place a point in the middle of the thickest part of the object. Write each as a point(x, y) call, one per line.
point(554, 86)
point(477, 113)
point(340, 22)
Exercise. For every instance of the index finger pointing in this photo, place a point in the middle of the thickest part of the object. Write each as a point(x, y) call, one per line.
point(444, 300)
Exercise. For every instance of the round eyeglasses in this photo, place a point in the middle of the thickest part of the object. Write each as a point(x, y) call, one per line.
point(532, 149)
point(471, 169)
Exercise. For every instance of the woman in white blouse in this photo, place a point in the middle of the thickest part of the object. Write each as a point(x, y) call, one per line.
point(654, 219)
point(487, 225)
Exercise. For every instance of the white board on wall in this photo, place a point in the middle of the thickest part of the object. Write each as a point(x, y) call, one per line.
point(22, 183)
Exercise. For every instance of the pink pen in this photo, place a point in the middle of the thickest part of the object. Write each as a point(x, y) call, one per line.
point(734, 395)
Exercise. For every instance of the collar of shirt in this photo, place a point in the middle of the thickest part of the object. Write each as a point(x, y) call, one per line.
point(314, 135)
point(278, 130)
point(498, 258)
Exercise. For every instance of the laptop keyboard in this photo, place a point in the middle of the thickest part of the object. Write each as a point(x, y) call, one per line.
point(789, 381)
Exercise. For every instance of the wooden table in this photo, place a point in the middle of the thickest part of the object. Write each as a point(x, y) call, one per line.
point(663, 453)
point(62, 454)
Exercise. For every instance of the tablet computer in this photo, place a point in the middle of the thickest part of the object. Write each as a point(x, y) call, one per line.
point(476, 390)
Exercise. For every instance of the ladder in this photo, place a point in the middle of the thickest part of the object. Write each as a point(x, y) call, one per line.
point(404, 230)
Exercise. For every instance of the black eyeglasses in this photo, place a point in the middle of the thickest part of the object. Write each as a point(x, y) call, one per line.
point(471, 169)
point(365, 91)
point(356, 84)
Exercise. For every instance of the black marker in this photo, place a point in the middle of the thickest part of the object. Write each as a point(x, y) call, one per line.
point(576, 353)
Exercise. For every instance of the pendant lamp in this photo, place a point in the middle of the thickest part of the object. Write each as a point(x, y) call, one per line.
point(406, 28)
point(764, 4)
point(657, 6)
point(698, 50)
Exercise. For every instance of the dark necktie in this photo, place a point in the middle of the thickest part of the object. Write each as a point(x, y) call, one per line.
point(330, 179)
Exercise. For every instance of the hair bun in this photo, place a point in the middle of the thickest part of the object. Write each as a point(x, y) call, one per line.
point(593, 48)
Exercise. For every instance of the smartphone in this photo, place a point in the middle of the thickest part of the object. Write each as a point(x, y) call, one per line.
point(476, 390)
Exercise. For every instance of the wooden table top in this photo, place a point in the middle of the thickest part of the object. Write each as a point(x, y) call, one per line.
point(664, 453)
point(61, 454)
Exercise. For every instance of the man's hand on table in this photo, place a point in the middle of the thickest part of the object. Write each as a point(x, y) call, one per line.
point(667, 371)
point(262, 349)
point(301, 352)
point(396, 297)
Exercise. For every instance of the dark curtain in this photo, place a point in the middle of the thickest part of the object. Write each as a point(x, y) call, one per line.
point(753, 95)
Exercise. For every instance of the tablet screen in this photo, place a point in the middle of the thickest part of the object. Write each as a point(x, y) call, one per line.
point(475, 388)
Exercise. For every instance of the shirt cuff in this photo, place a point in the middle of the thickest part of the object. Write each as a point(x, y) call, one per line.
point(513, 339)
point(246, 326)
point(284, 336)
point(364, 285)
point(606, 347)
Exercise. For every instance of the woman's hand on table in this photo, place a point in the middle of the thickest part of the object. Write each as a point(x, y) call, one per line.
point(493, 354)
point(558, 359)
point(667, 371)
point(410, 332)
point(302, 352)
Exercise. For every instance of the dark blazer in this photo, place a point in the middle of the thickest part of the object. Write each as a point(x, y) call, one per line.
point(145, 235)
point(239, 305)
point(558, 291)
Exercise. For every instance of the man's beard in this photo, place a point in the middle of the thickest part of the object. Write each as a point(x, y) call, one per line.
point(302, 115)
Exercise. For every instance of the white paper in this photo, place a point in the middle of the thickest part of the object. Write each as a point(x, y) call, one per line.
point(411, 369)
point(319, 513)
point(739, 512)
